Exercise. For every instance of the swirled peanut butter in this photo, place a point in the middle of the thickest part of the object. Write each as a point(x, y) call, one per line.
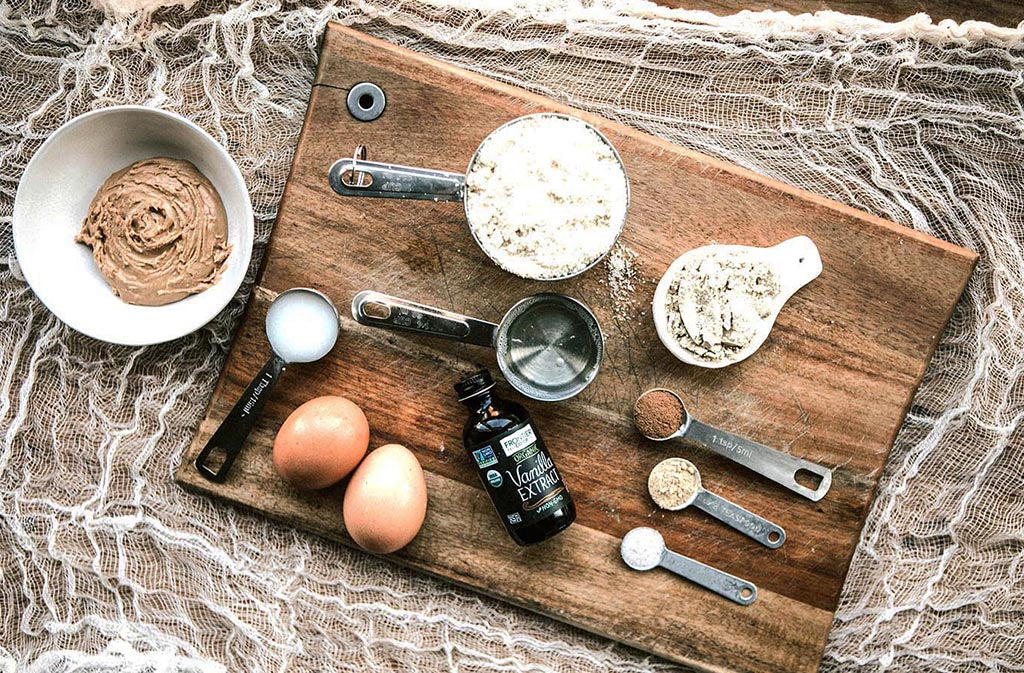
point(158, 231)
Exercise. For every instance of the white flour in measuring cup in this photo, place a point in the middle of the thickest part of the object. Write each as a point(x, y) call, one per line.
point(546, 196)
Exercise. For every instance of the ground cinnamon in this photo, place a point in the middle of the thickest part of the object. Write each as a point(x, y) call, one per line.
point(658, 414)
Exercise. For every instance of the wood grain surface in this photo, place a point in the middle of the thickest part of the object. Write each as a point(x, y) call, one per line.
point(832, 383)
point(1006, 13)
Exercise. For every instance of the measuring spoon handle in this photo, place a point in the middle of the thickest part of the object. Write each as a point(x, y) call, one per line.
point(233, 430)
point(745, 521)
point(401, 315)
point(349, 177)
point(778, 466)
point(722, 583)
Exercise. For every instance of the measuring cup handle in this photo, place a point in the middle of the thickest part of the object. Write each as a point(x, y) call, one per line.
point(233, 430)
point(743, 520)
point(389, 181)
point(402, 315)
point(778, 466)
point(722, 583)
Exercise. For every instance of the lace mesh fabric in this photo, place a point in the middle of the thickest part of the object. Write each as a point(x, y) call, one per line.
point(105, 564)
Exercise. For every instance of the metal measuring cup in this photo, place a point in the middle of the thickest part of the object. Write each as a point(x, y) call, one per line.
point(778, 466)
point(302, 326)
point(644, 549)
point(764, 531)
point(356, 176)
point(549, 346)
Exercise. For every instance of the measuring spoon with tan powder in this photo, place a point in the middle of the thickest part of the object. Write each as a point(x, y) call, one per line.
point(674, 484)
point(644, 549)
point(660, 415)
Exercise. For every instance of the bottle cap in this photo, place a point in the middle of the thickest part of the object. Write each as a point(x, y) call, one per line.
point(473, 384)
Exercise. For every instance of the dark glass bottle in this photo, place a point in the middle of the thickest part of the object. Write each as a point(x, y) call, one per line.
point(514, 465)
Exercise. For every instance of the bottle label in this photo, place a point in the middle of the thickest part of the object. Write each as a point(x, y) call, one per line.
point(519, 475)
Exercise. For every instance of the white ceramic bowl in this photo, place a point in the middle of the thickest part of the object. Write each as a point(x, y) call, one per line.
point(795, 261)
point(53, 198)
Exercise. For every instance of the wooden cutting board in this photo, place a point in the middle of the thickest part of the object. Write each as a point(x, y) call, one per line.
point(832, 384)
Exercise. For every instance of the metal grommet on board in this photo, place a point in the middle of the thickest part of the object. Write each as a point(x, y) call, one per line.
point(366, 101)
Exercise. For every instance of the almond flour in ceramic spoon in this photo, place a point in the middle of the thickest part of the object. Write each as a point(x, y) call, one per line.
point(718, 302)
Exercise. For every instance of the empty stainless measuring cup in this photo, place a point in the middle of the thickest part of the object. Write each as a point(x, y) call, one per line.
point(549, 346)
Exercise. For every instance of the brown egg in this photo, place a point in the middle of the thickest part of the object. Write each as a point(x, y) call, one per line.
point(386, 500)
point(321, 442)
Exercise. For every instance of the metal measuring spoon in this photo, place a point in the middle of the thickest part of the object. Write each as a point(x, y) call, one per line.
point(549, 346)
point(778, 466)
point(684, 475)
point(644, 549)
point(302, 326)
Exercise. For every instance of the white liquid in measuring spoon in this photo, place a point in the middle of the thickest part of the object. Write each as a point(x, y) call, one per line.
point(550, 345)
point(301, 326)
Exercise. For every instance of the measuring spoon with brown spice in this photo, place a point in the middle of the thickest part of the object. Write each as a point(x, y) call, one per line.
point(660, 415)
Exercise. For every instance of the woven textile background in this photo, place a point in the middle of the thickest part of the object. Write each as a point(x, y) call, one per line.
point(105, 564)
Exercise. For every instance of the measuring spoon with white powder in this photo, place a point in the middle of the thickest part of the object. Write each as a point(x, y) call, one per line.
point(675, 484)
point(545, 194)
point(302, 326)
point(716, 304)
point(644, 549)
point(660, 415)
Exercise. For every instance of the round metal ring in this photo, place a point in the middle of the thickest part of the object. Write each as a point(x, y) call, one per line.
point(366, 101)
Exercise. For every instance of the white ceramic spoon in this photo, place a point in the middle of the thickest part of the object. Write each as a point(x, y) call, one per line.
point(795, 262)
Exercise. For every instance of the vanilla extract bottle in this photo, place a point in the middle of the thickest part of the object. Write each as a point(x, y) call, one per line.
point(513, 463)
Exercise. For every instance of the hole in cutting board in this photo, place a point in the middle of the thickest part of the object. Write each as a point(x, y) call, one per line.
point(808, 479)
